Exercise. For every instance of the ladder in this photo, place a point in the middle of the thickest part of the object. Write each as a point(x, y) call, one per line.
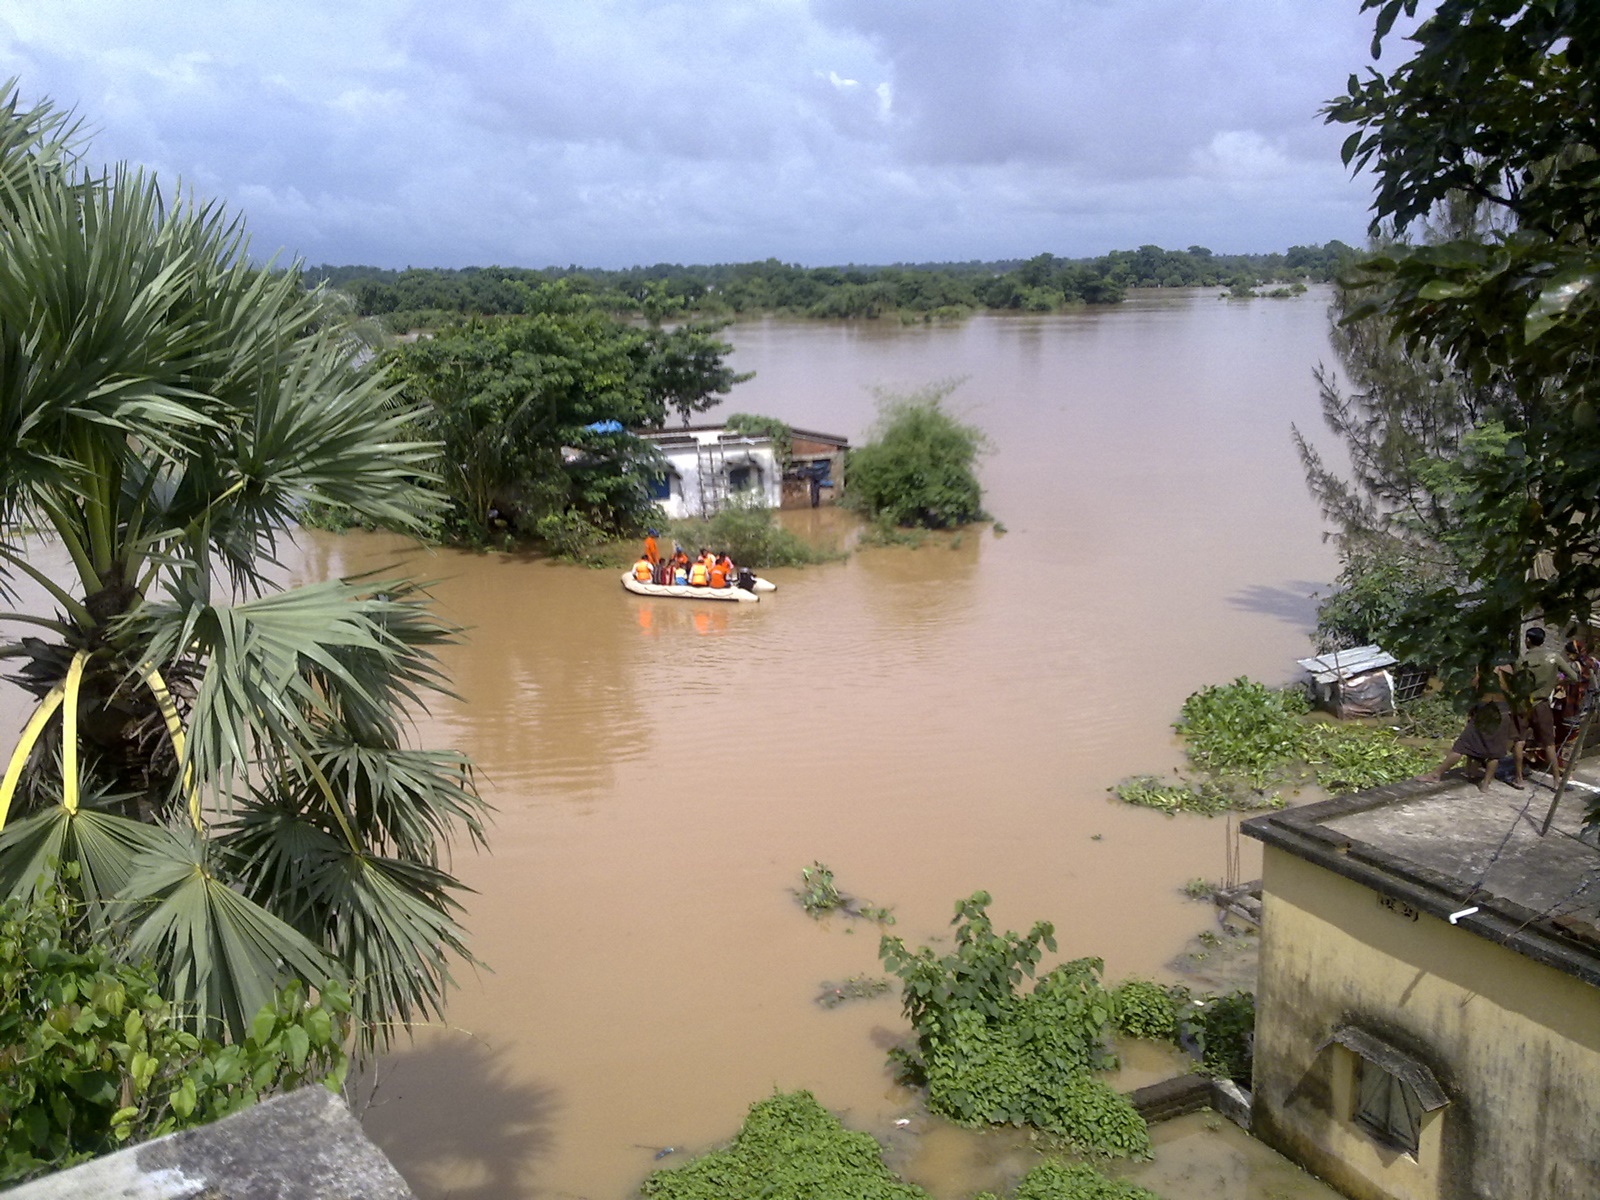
point(712, 472)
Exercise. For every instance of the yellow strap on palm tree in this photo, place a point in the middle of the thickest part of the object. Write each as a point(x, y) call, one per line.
point(30, 737)
point(69, 733)
point(169, 714)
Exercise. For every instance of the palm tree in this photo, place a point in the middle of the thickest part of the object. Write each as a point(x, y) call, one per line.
point(218, 766)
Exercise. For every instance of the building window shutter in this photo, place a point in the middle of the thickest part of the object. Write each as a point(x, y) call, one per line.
point(1389, 1107)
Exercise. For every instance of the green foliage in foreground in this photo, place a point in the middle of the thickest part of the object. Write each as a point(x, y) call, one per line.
point(93, 1057)
point(1072, 1181)
point(919, 467)
point(789, 1148)
point(750, 534)
point(991, 1055)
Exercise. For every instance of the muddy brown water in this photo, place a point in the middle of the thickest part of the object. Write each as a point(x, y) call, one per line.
point(927, 722)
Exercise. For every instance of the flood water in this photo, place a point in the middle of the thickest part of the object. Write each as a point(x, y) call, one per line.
point(927, 722)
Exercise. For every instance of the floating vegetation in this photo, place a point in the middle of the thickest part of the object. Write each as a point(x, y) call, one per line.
point(857, 987)
point(820, 895)
point(1245, 740)
point(1207, 797)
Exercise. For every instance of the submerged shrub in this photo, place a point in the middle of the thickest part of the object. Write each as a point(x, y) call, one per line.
point(750, 534)
point(1073, 1181)
point(919, 467)
point(990, 1054)
point(1143, 1009)
point(789, 1148)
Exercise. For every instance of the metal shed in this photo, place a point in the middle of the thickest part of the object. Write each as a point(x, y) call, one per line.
point(1356, 682)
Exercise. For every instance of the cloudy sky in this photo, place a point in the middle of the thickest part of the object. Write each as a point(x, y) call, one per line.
point(614, 132)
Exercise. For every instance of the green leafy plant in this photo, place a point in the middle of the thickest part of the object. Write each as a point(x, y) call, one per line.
point(1431, 715)
point(1222, 1031)
point(789, 1148)
point(990, 1054)
point(92, 1056)
point(1350, 758)
point(820, 895)
point(1144, 1009)
point(1072, 1181)
point(1243, 727)
point(1198, 889)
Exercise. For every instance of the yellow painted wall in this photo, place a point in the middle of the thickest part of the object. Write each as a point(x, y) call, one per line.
point(1515, 1044)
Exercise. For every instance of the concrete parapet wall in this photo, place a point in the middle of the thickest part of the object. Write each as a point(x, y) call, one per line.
point(303, 1146)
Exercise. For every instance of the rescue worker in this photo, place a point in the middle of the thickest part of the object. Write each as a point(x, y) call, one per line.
point(698, 575)
point(717, 574)
point(680, 575)
point(652, 552)
point(644, 570)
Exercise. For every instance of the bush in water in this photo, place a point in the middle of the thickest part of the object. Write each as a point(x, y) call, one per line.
point(919, 468)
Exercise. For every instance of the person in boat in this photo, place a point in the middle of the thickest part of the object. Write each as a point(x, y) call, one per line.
point(680, 572)
point(699, 576)
point(652, 556)
point(644, 570)
point(717, 573)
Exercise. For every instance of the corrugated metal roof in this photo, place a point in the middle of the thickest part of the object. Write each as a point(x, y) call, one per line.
point(1345, 664)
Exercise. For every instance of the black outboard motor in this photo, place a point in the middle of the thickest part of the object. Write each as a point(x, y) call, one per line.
point(747, 579)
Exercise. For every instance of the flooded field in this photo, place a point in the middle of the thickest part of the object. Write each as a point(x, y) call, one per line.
point(927, 722)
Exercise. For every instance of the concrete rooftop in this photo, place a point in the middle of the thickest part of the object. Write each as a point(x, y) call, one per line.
point(1445, 847)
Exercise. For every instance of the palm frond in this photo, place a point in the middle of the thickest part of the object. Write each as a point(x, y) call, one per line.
point(98, 848)
point(220, 955)
point(390, 923)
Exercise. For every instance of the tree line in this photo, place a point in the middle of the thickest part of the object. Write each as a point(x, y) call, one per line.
point(1039, 284)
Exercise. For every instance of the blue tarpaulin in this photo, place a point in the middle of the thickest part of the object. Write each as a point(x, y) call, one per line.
point(605, 427)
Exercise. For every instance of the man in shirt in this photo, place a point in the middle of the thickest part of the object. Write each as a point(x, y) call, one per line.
point(1544, 665)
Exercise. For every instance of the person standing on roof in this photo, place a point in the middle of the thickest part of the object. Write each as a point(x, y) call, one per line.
point(1545, 666)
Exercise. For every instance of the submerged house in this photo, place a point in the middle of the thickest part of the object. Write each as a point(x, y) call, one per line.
point(1428, 1012)
point(708, 466)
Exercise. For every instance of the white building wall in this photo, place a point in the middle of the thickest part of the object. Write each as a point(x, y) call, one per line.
point(683, 461)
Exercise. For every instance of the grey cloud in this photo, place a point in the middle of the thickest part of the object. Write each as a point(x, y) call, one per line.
point(616, 131)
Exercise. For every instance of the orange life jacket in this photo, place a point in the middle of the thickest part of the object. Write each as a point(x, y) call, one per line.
point(643, 572)
point(718, 576)
point(697, 575)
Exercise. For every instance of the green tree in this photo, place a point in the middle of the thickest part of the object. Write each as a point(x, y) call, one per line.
point(218, 766)
point(686, 370)
point(919, 468)
point(1497, 103)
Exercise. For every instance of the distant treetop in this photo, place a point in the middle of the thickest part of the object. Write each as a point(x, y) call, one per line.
point(932, 290)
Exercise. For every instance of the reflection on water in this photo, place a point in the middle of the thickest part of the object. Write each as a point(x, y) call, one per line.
point(927, 722)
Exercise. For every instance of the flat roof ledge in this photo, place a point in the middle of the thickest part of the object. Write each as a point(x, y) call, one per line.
point(1444, 847)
